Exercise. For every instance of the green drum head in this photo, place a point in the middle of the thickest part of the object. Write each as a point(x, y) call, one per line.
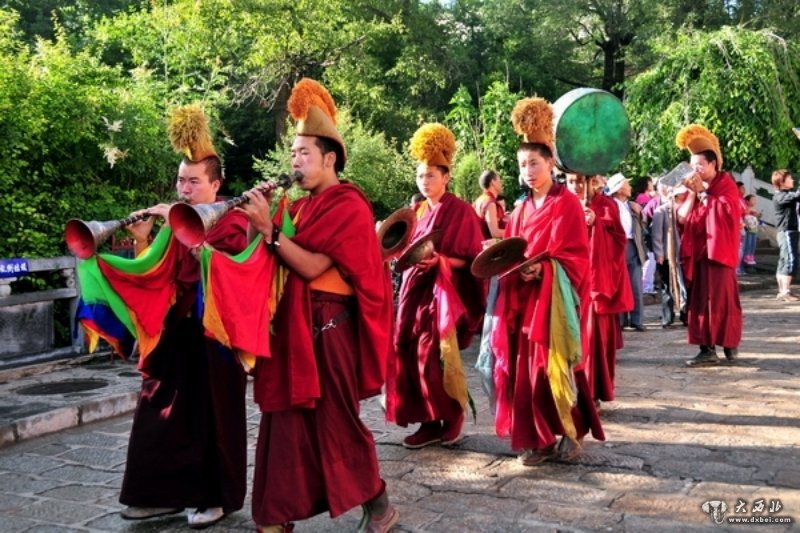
point(592, 132)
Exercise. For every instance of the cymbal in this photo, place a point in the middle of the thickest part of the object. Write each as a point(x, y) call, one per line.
point(418, 250)
point(528, 262)
point(499, 257)
point(395, 232)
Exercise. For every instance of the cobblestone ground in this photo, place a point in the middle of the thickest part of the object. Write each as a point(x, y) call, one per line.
point(677, 438)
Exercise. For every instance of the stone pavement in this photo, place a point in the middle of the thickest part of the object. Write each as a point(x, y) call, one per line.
point(676, 438)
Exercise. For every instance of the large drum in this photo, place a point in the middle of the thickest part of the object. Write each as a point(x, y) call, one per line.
point(592, 132)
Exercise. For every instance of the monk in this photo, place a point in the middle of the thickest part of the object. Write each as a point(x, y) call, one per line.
point(417, 374)
point(331, 335)
point(710, 242)
point(610, 289)
point(542, 391)
point(188, 442)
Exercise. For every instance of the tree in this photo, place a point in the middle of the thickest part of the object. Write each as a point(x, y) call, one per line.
point(486, 137)
point(741, 84)
point(80, 139)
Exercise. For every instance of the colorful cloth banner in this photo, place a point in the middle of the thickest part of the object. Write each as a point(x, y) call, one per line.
point(122, 299)
point(565, 347)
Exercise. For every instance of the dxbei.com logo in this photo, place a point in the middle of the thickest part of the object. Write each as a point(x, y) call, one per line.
point(716, 509)
point(761, 511)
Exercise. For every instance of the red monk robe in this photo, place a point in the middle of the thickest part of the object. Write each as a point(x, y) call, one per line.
point(709, 255)
point(525, 407)
point(414, 381)
point(328, 352)
point(188, 443)
point(610, 293)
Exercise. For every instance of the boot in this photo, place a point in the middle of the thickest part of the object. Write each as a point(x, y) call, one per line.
point(706, 357)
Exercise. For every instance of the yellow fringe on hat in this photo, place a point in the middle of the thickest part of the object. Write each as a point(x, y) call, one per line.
point(189, 132)
point(533, 119)
point(697, 138)
point(309, 93)
point(432, 143)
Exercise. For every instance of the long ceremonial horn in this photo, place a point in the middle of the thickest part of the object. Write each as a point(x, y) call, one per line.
point(83, 238)
point(395, 232)
point(191, 223)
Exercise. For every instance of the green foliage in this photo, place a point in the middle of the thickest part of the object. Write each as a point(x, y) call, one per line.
point(385, 175)
point(57, 113)
point(741, 84)
point(464, 183)
point(486, 135)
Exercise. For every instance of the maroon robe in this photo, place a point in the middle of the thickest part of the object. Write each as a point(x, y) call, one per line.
point(525, 407)
point(611, 294)
point(709, 256)
point(188, 443)
point(314, 454)
point(414, 383)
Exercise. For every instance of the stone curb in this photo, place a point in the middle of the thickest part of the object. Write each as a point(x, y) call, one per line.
point(68, 417)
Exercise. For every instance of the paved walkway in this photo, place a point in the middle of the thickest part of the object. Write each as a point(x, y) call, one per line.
point(677, 438)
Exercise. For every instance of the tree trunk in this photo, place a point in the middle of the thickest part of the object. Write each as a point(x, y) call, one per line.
point(281, 112)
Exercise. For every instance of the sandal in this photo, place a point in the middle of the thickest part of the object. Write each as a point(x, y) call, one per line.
point(533, 457)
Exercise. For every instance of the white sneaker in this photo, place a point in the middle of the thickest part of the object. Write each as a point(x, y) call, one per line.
point(203, 518)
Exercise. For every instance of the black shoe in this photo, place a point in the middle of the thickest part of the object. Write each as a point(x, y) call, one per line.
point(638, 327)
point(731, 353)
point(704, 358)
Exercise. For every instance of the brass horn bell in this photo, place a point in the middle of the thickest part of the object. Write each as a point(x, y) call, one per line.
point(395, 232)
point(191, 223)
point(83, 238)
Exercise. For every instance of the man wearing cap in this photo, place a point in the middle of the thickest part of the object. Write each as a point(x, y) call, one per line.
point(440, 306)
point(188, 442)
point(330, 341)
point(630, 214)
point(711, 215)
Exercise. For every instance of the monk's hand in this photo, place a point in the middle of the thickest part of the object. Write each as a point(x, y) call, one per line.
point(488, 242)
point(694, 183)
point(531, 272)
point(257, 210)
point(589, 216)
point(427, 264)
point(140, 230)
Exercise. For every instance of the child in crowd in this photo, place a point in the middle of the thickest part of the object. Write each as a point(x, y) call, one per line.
point(751, 222)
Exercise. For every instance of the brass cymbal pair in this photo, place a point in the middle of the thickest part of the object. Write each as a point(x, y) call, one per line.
point(394, 236)
point(503, 258)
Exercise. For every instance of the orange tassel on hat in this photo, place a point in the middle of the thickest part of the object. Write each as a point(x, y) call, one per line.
point(189, 133)
point(433, 144)
point(312, 106)
point(696, 139)
point(533, 119)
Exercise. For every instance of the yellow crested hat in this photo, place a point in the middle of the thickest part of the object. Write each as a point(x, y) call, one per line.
point(696, 139)
point(533, 119)
point(189, 133)
point(433, 144)
point(312, 106)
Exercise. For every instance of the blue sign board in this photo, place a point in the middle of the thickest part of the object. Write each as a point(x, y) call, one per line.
point(14, 268)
